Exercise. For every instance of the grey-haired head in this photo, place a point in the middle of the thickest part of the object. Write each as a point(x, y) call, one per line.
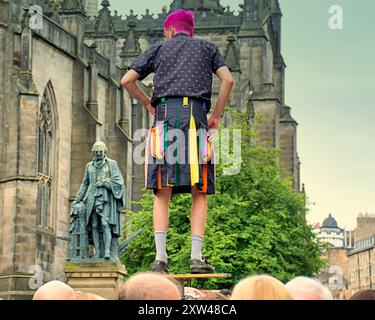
point(99, 150)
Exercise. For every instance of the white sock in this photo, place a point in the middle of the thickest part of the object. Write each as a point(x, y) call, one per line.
point(196, 247)
point(161, 246)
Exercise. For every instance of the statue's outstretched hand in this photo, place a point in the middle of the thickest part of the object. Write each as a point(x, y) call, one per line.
point(106, 184)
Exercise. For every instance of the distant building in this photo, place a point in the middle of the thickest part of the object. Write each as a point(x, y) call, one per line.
point(362, 257)
point(336, 275)
point(335, 236)
point(365, 226)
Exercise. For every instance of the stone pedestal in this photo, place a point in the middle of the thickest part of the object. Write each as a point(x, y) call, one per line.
point(98, 277)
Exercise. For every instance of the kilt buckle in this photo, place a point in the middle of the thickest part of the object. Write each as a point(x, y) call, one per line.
point(163, 102)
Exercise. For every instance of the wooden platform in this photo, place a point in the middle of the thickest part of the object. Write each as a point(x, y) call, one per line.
point(181, 278)
point(197, 275)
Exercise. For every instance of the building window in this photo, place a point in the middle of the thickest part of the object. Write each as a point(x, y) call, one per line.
point(46, 132)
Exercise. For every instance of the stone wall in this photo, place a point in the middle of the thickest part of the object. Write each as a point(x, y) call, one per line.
point(361, 269)
point(49, 64)
point(115, 139)
point(339, 257)
point(365, 228)
point(288, 146)
point(221, 40)
point(18, 114)
point(3, 45)
point(267, 127)
point(91, 7)
point(336, 275)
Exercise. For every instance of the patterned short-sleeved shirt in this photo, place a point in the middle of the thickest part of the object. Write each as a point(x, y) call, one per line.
point(183, 67)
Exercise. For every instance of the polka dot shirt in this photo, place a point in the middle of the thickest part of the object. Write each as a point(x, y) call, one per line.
point(183, 66)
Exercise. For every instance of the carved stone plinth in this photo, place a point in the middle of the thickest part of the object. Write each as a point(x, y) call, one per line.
point(98, 277)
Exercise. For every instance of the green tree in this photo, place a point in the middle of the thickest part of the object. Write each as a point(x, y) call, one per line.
point(256, 223)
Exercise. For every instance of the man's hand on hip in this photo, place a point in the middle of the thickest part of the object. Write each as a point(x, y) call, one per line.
point(150, 108)
point(213, 123)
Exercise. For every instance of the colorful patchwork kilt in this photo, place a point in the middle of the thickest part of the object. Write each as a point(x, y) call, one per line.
point(179, 149)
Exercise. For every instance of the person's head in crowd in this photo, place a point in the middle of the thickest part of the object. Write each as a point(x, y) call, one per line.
point(149, 286)
point(363, 295)
point(78, 295)
point(260, 287)
point(53, 290)
point(303, 288)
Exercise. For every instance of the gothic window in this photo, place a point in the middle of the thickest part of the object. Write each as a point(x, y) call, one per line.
point(46, 134)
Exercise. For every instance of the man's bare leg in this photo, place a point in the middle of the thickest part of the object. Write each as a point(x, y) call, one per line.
point(161, 203)
point(198, 212)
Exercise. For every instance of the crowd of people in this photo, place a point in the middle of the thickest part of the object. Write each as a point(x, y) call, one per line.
point(153, 286)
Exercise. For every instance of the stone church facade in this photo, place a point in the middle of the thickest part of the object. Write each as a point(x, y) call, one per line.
point(60, 72)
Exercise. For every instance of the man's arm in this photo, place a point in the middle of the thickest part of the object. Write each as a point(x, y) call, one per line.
point(226, 86)
point(128, 81)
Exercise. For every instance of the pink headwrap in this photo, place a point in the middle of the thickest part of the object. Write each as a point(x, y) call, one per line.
point(181, 20)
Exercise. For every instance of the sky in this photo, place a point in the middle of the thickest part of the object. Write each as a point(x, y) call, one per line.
point(330, 80)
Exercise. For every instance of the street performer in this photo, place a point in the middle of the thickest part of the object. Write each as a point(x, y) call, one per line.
point(183, 67)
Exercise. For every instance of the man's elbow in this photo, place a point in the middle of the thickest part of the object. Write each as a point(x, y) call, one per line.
point(125, 81)
point(230, 81)
point(129, 78)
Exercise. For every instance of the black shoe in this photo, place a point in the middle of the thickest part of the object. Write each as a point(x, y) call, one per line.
point(198, 266)
point(159, 267)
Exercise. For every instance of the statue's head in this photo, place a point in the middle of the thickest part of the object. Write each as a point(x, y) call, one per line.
point(99, 149)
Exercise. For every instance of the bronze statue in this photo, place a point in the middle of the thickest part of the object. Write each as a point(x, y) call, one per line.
point(102, 194)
